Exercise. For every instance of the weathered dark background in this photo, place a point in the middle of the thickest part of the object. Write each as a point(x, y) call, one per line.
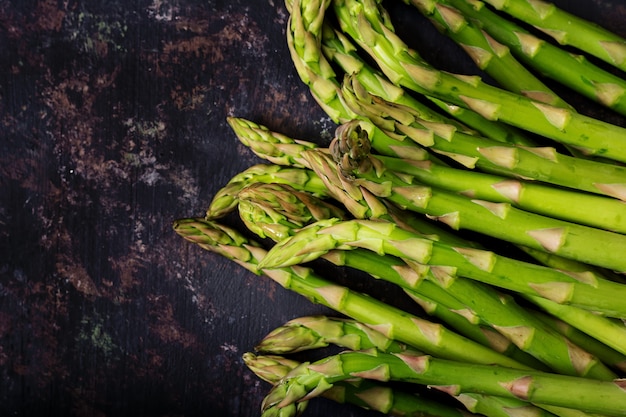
point(112, 125)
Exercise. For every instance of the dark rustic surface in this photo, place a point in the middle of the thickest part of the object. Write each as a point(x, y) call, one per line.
point(112, 125)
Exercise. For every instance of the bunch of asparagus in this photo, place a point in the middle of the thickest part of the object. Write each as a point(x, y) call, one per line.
point(498, 211)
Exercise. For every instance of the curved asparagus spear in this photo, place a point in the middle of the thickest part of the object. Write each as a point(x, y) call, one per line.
point(538, 163)
point(568, 29)
point(448, 262)
point(392, 322)
point(468, 300)
point(311, 379)
point(404, 67)
point(363, 393)
point(225, 200)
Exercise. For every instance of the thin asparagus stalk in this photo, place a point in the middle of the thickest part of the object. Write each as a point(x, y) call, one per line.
point(574, 71)
point(363, 393)
point(448, 262)
point(313, 332)
point(500, 220)
point(606, 354)
point(610, 332)
point(568, 29)
point(565, 204)
point(404, 67)
point(320, 331)
point(309, 380)
point(392, 322)
point(538, 163)
point(489, 55)
point(271, 145)
point(225, 200)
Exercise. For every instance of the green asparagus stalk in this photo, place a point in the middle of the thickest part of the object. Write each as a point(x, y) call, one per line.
point(574, 71)
point(341, 51)
point(565, 204)
point(225, 200)
point(500, 220)
point(320, 331)
point(448, 262)
point(313, 332)
point(311, 379)
point(538, 163)
point(362, 21)
point(468, 300)
point(392, 322)
point(363, 393)
point(567, 29)
point(489, 55)
point(606, 354)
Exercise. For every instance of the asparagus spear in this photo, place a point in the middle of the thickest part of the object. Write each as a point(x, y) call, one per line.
point(364, 393)
point(462, 298)
point(574, 71)
point(565, 204)
point(319, 331)
point(567, 29)
point(225, 200)
point(392, 322)
point(404, 67)
point(489, 55)
point(606, 354)
point(539, 163)
point(311, 379)
point(448, 262)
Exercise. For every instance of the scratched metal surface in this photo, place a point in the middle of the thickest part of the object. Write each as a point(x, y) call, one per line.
point(113, 125)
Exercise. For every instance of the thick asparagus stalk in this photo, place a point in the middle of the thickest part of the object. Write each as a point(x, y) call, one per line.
point(404, 67)
point(538, 163)
point(392, 322)
point(466, 299)
point(366, 394)
point(565, 204)
point(500, 220)
point(573, 71)
point(448, 262)
point(489, 55)
point(309, 380)
point(568, 29)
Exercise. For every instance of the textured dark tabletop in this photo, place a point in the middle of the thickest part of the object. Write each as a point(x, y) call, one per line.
point(112, 125)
